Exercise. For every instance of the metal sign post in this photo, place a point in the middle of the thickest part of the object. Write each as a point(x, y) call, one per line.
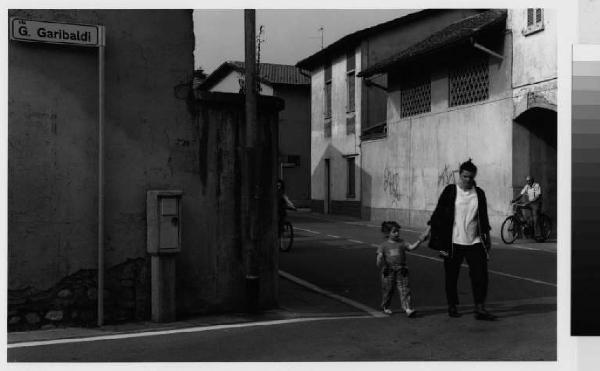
point(101, 93)
point(77, 35)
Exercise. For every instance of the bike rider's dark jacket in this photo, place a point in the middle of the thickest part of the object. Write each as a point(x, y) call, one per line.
point(442, 220)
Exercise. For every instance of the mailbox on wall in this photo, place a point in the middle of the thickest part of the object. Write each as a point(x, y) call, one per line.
point(163, 215)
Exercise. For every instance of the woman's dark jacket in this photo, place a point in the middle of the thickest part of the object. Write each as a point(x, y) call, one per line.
point(442, 219)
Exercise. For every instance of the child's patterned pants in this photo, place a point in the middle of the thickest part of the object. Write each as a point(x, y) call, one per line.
point(396, 276)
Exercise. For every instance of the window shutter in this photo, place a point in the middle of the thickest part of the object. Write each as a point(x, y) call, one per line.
point(530, 16)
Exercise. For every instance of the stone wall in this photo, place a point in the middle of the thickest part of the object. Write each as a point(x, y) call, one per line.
point(73, 300)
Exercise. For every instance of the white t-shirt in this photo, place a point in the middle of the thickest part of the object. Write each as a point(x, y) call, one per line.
point(532, 191)
point(465, 227)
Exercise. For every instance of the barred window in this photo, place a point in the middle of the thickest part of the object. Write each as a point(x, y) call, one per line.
point(469, 83)
point(535, 21)
point(415, 96)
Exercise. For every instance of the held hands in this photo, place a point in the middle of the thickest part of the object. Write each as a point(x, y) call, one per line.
point(422, 238)
point(425, 235)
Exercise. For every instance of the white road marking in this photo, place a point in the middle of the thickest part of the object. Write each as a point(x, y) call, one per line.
point(307, 230)
point(333, 236)
point(363, 224)
point(514, 246)
point(355, 304)
point(491, 271)
point(356, 241)
point(174, 331)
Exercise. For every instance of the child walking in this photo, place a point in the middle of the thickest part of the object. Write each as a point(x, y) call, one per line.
point(391, 259)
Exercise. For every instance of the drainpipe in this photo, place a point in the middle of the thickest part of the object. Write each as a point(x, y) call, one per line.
point(252, 191)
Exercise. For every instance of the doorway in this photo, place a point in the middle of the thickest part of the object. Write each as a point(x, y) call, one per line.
point(534, 153)
point(327, 177)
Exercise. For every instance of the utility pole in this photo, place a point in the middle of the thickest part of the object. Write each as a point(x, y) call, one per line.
point(259, 42)
point(250, 189)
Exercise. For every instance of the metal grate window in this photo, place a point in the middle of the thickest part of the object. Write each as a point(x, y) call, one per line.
point(530, 16)
point(415, 97)
point(469, 83)
point(535, 21)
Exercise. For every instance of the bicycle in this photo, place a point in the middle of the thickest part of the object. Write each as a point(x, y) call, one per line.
point(517, 226)
point(286, 236)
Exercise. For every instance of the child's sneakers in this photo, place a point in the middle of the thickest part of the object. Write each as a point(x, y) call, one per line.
point(411, 313)
point(387, 311)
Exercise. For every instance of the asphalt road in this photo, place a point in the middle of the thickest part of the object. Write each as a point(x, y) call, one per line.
point(338, 256)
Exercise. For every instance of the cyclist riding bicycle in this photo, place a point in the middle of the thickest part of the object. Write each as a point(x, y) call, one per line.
point(534, 205)
point(283, 203)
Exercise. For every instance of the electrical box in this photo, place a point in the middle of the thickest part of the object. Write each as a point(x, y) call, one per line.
point(163, 216)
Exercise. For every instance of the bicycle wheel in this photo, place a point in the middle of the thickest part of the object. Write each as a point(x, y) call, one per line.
point(509, 230)
point(546, 227)
point(287, 237)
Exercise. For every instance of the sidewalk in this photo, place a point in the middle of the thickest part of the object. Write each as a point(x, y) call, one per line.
point(295, 302)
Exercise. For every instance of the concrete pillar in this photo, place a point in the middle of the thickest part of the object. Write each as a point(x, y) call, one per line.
point(162, 268)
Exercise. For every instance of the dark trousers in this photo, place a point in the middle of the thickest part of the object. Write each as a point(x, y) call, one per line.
point(478, 271)
point(536, 212)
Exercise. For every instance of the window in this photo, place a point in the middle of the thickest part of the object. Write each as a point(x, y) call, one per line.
point(535, 21)
point(327, 105)
point(350, 125)
point(350, 89)
point(374, 107)
point(350, 193)
point(415, 94)
point(469, 83)
point(290, 160)
point(350, 81)
point(328, 90)
point(327, 128)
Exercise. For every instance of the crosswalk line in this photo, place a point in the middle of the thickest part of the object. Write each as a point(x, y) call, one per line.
point(356, 241)
point(355, 304)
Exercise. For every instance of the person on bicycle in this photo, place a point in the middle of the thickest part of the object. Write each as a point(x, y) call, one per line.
point(283, 203)
point(534, 205)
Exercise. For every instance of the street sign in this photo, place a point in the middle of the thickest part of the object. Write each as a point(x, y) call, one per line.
point(55, 33)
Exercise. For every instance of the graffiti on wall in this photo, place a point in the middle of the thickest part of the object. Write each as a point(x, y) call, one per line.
point(391, 184)
point(447, 176)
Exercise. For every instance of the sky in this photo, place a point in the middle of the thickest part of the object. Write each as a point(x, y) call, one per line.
point(289, 35)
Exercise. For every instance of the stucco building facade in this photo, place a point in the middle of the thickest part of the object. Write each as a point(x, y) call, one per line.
point(480, 85)
point(293, 87)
